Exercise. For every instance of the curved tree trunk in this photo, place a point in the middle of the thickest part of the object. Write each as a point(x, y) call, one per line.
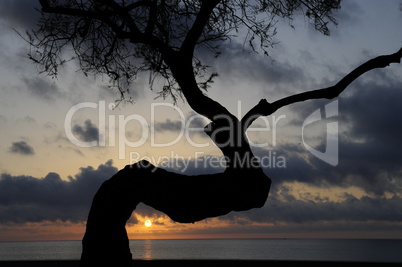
point(184, 199)
point(105, 242)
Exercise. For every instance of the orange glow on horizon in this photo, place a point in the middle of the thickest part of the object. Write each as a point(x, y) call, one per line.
point(164, 228)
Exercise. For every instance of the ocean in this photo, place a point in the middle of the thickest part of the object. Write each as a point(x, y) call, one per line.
point(359, 250)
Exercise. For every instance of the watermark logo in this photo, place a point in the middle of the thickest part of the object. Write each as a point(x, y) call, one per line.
point(184, 129)
point(330, 155)
point(200, 160)
point(147, 130)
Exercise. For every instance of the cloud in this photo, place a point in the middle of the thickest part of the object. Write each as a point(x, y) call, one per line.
point(348, 14)
point(22, 148)
point(42, 89)
point(192, 120)
point(284, 208)
point(369, 139)
point(272, 76)
point(89, 132)
point(168, 125)
point(192, 126)
point(31, 199)
point(20, 13)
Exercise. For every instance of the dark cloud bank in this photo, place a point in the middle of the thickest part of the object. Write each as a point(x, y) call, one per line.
point(30, 199)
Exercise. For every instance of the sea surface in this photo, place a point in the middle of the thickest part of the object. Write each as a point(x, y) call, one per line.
point(366, 250)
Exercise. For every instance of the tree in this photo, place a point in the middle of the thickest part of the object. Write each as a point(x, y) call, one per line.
point(120, 39)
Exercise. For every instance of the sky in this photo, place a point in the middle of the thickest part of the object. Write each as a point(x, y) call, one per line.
point(337, 177)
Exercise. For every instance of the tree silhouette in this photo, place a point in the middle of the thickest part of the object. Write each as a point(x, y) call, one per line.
point(124, 38)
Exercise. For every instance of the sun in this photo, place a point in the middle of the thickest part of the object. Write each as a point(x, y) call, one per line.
point(148, 223)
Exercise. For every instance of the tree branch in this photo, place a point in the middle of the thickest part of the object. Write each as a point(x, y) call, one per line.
point(101, 16)
point(134, 34)
point(264, 108)
point(196, 30)
point(124, 15)
point(152, 18)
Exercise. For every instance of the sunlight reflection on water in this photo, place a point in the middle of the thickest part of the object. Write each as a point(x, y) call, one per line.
point(363, 250)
